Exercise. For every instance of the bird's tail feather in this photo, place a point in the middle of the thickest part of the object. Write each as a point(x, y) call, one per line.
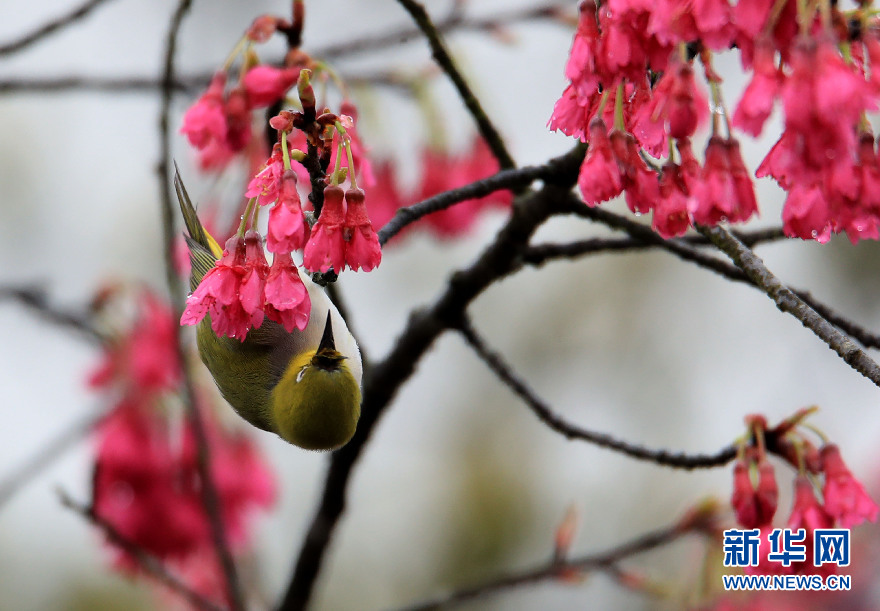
point(203, 248)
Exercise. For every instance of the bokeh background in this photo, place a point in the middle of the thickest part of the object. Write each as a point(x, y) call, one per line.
point(460, 481)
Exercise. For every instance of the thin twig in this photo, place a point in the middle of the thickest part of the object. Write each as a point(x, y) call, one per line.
point(505, 179)
point(559, 569)
point(542, 253)
point(788, 302)
point(210, 497)
point(53, 25)
point(35, 299)
point(149, 563)
point(453, 23)
point(447, 64)
point(61, 84)
point(384, 378)
point(46, 455)
point(546, 415)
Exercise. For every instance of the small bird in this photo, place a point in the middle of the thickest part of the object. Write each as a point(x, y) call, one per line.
point(303, 386)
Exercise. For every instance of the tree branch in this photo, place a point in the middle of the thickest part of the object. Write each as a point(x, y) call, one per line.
point(542, 253)
point(447, 64)
point(505, 179)
point(34, 298)
point(46, 455)
point(210, 497)
point(546, 415)
point(452, 23)
point(149, 563)
point(788, 302)
point(558, 569)
point(51, 26)
point(684, 251)
point(383, 379)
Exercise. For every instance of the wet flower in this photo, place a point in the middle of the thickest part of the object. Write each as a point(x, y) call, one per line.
point(288, 229)
point(218, 294)
point(326, 246)
point(286, 298)
point(266, 185)
point(599, 179)
point(362, 250)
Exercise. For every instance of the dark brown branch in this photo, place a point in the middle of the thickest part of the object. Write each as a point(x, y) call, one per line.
point(555, 422)
point(542, 253)
point(34, 298)
point(146, 561)
point(684, 251)
point(382, 380)
point(210, 497)
point(554, 570)
point(51, 26)
point(505, 179)
point(46, 455)
point(446, 63)
point(790, 303)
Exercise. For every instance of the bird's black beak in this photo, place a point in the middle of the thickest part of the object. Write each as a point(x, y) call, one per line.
point(327, 342)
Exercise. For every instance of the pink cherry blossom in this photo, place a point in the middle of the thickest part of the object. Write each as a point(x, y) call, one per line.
point(671, 217)
point(326, 246)
point(286, 301)
point(757, 101)
point(205, 121)
point(288, 230)
point(599, 179)
point(362, 250)
point(218, 294)
point(266, 185)
point(266, 85)
point(845, 497)
point(754, 506)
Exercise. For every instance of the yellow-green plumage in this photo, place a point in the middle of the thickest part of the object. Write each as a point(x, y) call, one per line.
point(304, 386)
point(324, 394)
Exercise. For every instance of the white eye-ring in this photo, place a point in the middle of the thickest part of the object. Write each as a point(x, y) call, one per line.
point(301, 373)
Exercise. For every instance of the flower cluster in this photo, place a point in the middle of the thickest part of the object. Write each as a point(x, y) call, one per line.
point(219, 124)
point(440, 171)
point(817, 60)
point(842, 501)
point(146, 483)
point(242, 289)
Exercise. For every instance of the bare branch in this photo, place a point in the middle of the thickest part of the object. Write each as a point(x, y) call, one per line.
point(447, 64)
point(51, 26)
point(542, 253)
point(557, 570)
point(149, 563)
point(63, 84)
point(210, 497)
point(505, 179)
point(546, 415)
point(453, 23)
point(35, 299)
point(684, 251)
point(788, 302)
point(46, 455)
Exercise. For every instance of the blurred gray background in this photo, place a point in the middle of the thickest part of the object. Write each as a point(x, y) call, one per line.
point(460, 481)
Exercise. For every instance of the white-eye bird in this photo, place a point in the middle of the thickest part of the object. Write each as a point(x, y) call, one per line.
point(303, 386)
